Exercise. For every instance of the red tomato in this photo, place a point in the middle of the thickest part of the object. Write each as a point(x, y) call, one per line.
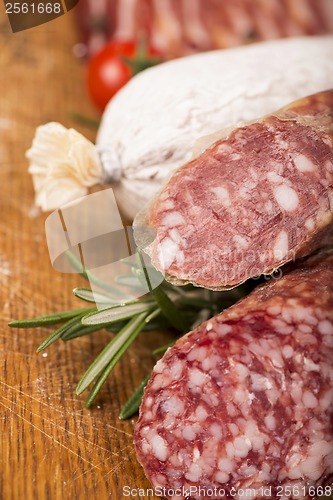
point(111, 68)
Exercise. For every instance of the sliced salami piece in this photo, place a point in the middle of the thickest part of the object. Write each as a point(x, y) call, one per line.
point(251, 202)
point(245, 401)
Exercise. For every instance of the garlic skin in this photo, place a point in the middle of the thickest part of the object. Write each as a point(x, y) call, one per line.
point(63, 164)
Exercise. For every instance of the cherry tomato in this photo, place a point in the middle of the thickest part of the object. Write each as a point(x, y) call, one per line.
point(111, 68)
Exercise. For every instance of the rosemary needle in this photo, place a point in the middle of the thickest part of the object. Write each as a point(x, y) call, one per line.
point(89, 295)
point(86, 121)
point(79, 331)
point(133, 403)
point(116, 313)
point(161, 350)
point(104, 375)
point(59, 333)
point(170, 311)
point(131, 281)
point(110, 352)
point(50, 319)
point(153, 315)
point(89, 276)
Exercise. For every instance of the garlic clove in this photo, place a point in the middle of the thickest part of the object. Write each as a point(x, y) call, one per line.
point(63, 164)
point(58, 193)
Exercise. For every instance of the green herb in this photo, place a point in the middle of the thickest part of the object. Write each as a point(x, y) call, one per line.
point(50, 319)
point(110, 351)
point(142, 60)
point(116, 313)
point(93, 296)
point(163, 349)
point(86, 121)
point(89, 276)
point(132, 330)
point(165, 307)
point(129, 280)
point(62, 330)
point(170, 311)
point(80, 331)
point(133, 403)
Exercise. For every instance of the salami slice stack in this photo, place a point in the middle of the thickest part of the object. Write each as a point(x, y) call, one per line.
point(245, 401)
point(256, 199)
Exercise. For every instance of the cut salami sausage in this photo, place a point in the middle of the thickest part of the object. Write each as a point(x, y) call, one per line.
point(256, 199)
point(245, 401)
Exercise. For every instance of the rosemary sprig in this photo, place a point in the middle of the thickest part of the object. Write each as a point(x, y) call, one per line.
point(163, 307)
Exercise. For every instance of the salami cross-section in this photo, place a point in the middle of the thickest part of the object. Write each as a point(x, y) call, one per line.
point(245, 401)
point(251, 202)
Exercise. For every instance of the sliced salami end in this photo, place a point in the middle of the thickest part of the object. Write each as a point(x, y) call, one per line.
point(251, 202)
point(245, 401)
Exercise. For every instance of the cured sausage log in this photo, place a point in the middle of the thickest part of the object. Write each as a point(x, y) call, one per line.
point(245, 401)
point(179, 27)
point(253, 201)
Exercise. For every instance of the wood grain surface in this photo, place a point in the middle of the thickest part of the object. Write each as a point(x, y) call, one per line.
point(51, 447)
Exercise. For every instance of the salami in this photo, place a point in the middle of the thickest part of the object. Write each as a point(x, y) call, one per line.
point(254, 200)
point(244, 403)
point(179, 27)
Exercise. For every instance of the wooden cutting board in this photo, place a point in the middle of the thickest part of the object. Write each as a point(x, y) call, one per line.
point(51, 447)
